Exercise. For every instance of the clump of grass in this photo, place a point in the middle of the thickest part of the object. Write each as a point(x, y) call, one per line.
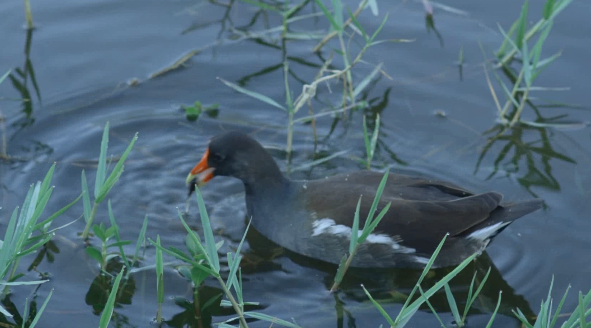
point(103, 184)
point(515, 44)
point(460, 321)
point(203, 261)
point(409, 309)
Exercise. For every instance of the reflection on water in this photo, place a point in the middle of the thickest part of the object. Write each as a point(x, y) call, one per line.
point(520, 145)
point(20, 78)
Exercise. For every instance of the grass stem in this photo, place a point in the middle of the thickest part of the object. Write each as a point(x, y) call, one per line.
point(90, 220)
point(336, 284)
point(28, 15)
point(235, 304)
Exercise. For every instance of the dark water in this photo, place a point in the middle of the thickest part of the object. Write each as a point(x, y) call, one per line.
point(77, 66)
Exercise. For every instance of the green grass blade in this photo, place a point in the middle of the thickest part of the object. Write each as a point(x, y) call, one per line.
point(413, 307)
point(2, 78)
point(559, 308)
point(234, 266)
point(101, 171)
point(537, 49)
point(375, 34)
point(492, 318)
point(522, 318)
point(452, 304)
point(357, 25)
point(25, 312)
point(521, 26)
point(329, 16)
point(380, 308)
point(365, 82)
point(548, 8)
point(526, 65)
point(40, 311)
point(558, 7)
point(56, 214)
point(47, 179)
point(208, 233)
point(582, 309)
point(366, 140)
point(375, 203)
point(374, 137)
point(120, 243)
point(41, 204)
point(471, 300)
point(338, 278)
point(374, 223)
point(508, 39)
point(159, 271)
point(85, 197)
point(543, 64)
point(433, 309)
point(355, 228)
point(373, 5)
point(253, 94)
point(36, 246)
point(116, 173)
point(271, 319)
point(470, 291)
point(140, 239)
point(108, 310)
point(337, 6)
point(7, 250)
point(94, 253)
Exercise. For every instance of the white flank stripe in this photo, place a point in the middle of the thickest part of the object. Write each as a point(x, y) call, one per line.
point(329, 226)
point(485, 233)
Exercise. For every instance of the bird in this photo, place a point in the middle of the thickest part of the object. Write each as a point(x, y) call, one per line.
point(314, 218)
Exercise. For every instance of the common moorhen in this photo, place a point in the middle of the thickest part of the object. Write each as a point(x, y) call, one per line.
point(314, 218)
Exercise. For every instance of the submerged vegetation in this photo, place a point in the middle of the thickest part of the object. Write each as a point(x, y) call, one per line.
point(26, 234)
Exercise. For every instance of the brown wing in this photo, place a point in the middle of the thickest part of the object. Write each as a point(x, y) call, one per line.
point(421, 211)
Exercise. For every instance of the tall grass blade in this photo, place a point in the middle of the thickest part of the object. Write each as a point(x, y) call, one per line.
point(526, 65)
point(3, 77)
point(375, 34)
point(101, 171)
point(338, 13)
point(374, 205)
point(473, 297)
point(160, 279)
point(452, 305)
point(47, 221)
point(85, 197)
point(548, 8)
point(521, 26)
point(116, 173)
point(40, 311)
point(329, 16)
point(559, 308)
point(355, 228)
point(433, 309)
point(492, 318)
point(374, 136)
point(271, 319)
point(543, 64)
point(537, 49)
point(380, 308)
point(140, 240)
point(253, 94)
point(236, 263)
point(208, 233)
point(582, 309)
point(373, 5)
point(363, 84)
point(47, 179)
point(110, 305)
point(358, 26)
point(117, 235)
point(341, 270)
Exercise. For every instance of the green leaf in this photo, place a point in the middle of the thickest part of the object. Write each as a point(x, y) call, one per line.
point(548, 7)
point(380, 308)
point(526, 65)
point(120, 244)
point(108, 311)
point(559, 308)
point(36, 246)
point(85, 197)
point(40, 311)
point(212, 252)
point(433, 309)
point(537, 49)
point(116, 173)
point(355, 228)
point(452, 304)
point(198, 276)
point(101, 171)
point(210, 301)
point(521, 26)
point(253, 94)
point(41, 204)
point(23, 283)
point(47, 179)
point(329, 16)
point(236, 261)
point(184, 258)
point(271, 319)
point(338, 278)
point(543, 64)
point(94, 253)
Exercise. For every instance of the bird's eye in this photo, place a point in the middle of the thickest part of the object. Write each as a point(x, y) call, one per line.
point(216, 157)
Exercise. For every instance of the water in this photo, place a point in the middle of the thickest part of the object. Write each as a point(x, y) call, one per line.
point(83, 55)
